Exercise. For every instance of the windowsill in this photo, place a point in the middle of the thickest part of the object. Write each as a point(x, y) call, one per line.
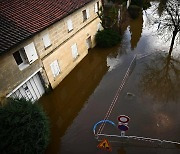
point(55, 77)
point(47, 47)
point(74, 59)
point(70, 30)
point(23, 66)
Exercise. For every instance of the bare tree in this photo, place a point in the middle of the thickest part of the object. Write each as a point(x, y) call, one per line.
point(170, 19)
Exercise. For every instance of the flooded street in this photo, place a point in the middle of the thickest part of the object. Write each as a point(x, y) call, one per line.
point(149, 96)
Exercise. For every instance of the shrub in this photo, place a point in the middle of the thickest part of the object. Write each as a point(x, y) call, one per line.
point(134, 11)
point(137, 2)
point(107, 38)
point(146, 5)
point(24, 128)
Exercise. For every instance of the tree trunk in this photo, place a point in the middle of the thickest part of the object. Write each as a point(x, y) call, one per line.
point(172, 42)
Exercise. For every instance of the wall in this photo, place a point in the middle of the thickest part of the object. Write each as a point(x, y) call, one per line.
point(11, 76)
point(64, 56)
point(62, 40)
point(58, 32)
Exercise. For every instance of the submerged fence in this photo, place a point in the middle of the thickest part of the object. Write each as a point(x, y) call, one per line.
point(117, 140)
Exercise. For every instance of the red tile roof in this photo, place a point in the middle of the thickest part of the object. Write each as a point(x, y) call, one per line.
point(20, 19)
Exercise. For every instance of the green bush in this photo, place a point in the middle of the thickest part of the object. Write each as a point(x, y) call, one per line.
point(134, 11)
point(137, 2)
point(107, 38)
point(146, 5)
point(24, 128)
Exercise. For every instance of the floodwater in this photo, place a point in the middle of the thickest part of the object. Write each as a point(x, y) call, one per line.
point(149, 94)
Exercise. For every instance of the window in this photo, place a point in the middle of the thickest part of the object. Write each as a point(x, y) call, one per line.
point(85, 14)
point(20, 57)
point(74, 51)
point(46, 40)
point(55, 68)
point(31, 52)
point(70, 25)
point(96, 7)
point(89, 43)
point(25, 56)
point(99, 27)
point(128, 3)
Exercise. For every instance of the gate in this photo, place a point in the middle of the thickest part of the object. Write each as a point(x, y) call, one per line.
point(32, 89)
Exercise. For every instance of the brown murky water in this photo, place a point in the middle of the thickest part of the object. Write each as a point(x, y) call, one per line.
point(84, 97)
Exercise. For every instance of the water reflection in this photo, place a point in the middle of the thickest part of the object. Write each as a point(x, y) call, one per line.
point(161, 6)
point(121, 151)
point(136, 30)
point(64, 102)
point(161, 79)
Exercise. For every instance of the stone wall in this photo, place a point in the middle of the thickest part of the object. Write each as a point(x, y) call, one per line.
point(64, 56)
point(10, 74)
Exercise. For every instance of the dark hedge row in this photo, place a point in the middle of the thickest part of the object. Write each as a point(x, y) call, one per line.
point(24, 128)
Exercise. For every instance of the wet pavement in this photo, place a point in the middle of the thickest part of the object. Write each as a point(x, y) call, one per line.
point(150, 95)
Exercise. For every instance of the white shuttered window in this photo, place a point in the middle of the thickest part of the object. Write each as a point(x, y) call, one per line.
point(128, 3)
point(96, 7)
point(99, 27)
point(74, 51)
point(46, 40)
point(31, 52)
point(87, 13)
point(70, 25)
point(55, 68)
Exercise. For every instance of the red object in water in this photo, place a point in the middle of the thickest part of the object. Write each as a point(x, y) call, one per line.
point(123, 119)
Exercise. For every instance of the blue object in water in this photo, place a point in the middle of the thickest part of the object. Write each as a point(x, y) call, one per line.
point(123, 127)
point(102, 121)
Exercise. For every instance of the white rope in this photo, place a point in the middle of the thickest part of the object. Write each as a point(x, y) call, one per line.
point(141, 138)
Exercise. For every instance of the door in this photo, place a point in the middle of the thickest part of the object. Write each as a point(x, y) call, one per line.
point(30, 90)
point(89, 43)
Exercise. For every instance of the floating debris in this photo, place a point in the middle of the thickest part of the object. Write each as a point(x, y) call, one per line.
point(130, 94)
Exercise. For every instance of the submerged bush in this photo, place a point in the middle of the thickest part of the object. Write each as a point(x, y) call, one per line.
point(107, 38)
point(137, 2)
point(24, 128)
point(146, 5)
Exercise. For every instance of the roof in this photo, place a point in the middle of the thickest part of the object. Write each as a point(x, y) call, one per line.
point(21, 19)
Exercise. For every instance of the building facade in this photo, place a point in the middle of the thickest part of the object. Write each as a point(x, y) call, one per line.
point(41, 43)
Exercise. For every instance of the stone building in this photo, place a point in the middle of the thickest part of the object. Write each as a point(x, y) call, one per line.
point(41, 41)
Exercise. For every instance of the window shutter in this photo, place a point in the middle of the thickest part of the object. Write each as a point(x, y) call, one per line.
point(74, 50)
point(119, 15)
point(99, 27)
point(55, 68)
point(70, 25)
point(31, 52)
point(87, 13)
point(128, 3)
point(46, 40)
point(96, 8)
